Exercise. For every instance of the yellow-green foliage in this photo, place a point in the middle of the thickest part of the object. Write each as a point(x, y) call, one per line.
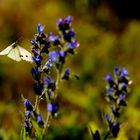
point(101, 48)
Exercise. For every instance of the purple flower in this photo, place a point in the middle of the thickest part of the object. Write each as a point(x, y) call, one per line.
point(71, 33)
point(35, 51)
point(73, 44)
point(115, 129)
point(27, 126)
point(62, 55)
point(122, 101)
point(109, 79)
point(63, 24)
point(46, 47)
point(28, 105)
point(37, 59)
point(52, 107)
point(96, 135)
point(48, 65)
point(115, 111)
point(36, 73)
point(27, 114)
point(68, 36)
point(53, 56)
point(110, 91)
point(51, 83)
point(40, 120)
point(116, 70)
point(53, 37)
point(47, 80)
point(40, 28)
point(124, 72)
point(33, 42)
point(68, 19)
point(60, 21)
point(38, 88)
point(106, 117)
point(66, 74)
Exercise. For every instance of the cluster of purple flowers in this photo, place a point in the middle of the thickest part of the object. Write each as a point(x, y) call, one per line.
point(116, 92)
point(49, 54)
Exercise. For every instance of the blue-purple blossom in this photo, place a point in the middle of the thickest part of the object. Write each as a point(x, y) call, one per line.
point(115, 111)
point(60, 21)
point(96, 135)
point(37, 59)
point(109, 79)
point(27, 126)
point(115, 129)
point(71, 33)
point(40, 28)
point(33, 42)
point(73, 44)
point(124, 72)
point(122, 101)
point(53, 37)
point(46, 47)
point(116, 70)
point(110, 91)
point(68, 19)
point(66, 74)
point(48, 64)
point(27, 114)
point(52, 107)
point(64, 24)
point(28, 105)
point(38, 88)
point(47, 80)
point(35, 73)
point(106, 117)
point(122, 97)
point(62, 55)
point(51, 83)
point(53, 56)
point(40, 120)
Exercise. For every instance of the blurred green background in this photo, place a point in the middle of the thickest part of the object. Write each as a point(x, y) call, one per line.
point(109, 35)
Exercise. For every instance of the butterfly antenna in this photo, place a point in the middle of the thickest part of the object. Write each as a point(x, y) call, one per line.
point(18, 40)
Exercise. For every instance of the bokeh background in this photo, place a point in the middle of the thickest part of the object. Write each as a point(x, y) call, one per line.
point(109, 35)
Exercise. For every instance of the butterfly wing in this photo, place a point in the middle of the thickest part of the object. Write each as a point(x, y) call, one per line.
point(14, 54)
point(7, 50)
point(25, 55)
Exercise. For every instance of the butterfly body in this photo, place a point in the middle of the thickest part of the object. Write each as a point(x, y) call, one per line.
point(17, 53)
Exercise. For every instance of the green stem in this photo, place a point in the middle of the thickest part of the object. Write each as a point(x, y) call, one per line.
point(36, 102)
point(106, 136)
point(49, 113)
point(46, 123)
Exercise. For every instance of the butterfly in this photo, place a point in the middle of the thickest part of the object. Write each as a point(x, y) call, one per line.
point(17, 53)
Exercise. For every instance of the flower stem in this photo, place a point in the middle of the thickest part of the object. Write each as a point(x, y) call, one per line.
point(46, 123)
point(36, 102)
point(106, 136)
point(49, 113)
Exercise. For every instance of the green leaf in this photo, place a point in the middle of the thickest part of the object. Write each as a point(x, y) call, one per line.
point(38, 133)
point(22, 135)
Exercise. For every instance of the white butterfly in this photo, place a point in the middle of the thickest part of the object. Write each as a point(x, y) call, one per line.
point(17, 53)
